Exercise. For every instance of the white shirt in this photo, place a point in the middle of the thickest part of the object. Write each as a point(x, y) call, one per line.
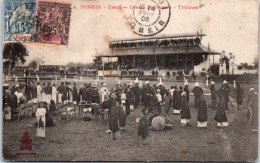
point(54, 91)
point(159, 97)
point(39, 89)
point(171, 91)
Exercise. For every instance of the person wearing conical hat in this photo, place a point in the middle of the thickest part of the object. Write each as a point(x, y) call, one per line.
point(185, 111)
point(225, 88)
point(197, 90)
point(213, 92)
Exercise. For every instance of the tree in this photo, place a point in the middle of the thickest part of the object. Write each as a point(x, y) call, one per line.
point(13, 54)
point(33, 65)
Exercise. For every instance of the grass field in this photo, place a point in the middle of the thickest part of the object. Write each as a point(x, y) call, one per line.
point(88, 141)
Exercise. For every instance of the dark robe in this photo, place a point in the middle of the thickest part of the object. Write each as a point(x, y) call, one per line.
point(147, 92)
point(75, 96)
point(167, 105)
point(65, 93)
point(240, 94)
point(186, 89)
point(86, 95)
point(226, 90)
point(114, 114)
point(137, 93)
point(95, 96)
point(197, 93)
point(127, 103)
point(28, 90)
point(122, 118)
point(185, 110)
point(48, 90)
point(143, 127)
point(34, 92)
point(202, 111)
point(221, 114)
point(178, 100)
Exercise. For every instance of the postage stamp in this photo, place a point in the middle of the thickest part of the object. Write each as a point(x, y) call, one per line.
point(150, 17)
point(18, 20)
point(52, 22)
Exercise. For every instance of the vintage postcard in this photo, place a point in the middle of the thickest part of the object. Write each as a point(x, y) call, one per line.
point(130, 80)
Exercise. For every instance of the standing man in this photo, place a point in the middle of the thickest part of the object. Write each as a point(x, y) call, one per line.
point(226, 90)
point(240, 94)
point(75, 94)
point(197, 90)
point(60, 91)
point(187, 91)
point(137, 93)
point(148, 93)
point(213, 94)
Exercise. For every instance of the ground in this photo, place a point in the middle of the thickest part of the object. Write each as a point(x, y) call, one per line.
point(88, 141)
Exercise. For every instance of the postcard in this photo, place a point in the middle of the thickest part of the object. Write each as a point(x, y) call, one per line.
point(130, 80)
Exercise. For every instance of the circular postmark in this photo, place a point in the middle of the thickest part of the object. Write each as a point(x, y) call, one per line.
point(20, 22)
point(150, 17)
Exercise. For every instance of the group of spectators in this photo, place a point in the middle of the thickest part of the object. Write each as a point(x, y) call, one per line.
point(120, 100)
point(165, 42)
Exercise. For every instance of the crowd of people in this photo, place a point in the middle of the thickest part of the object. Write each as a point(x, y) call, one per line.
point(155, 100)
point(165, 42)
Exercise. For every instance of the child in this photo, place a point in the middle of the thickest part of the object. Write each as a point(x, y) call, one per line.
point(40, 115)
point(143, 127)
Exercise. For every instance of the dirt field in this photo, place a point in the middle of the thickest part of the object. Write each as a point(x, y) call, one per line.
point(88, 141)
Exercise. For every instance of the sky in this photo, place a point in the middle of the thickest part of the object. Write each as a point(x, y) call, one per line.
point(230, 25)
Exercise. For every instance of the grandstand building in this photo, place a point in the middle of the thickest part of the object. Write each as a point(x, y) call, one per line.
point(177, 52)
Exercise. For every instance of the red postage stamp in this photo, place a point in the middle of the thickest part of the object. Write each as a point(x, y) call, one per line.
point(52, 22)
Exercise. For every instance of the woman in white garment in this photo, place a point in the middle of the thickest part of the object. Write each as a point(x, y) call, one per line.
point(41, 120)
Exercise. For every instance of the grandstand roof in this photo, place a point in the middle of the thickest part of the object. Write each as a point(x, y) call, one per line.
point(159, 50)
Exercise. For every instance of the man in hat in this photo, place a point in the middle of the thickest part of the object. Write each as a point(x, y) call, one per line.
point(137, 93)
point(225, 88)
point(197, 90)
